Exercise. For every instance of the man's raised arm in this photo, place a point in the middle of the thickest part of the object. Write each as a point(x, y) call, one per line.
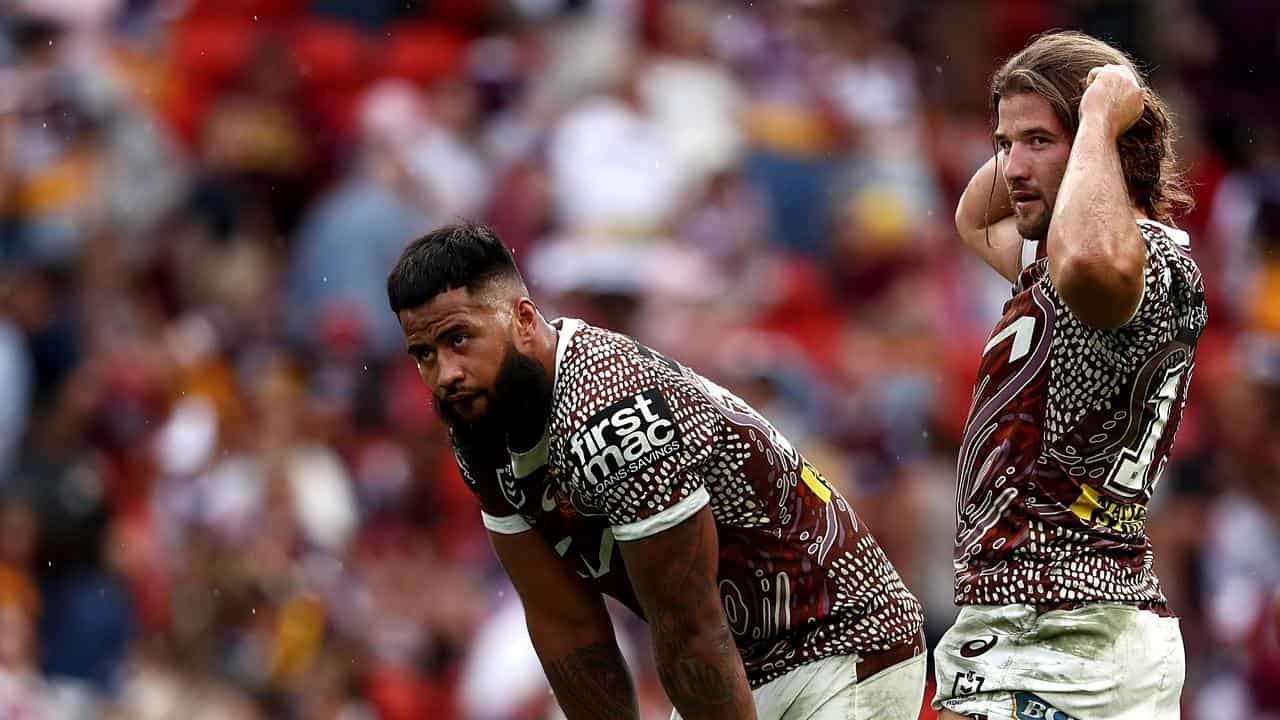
point(1096, 253)
point(985, 221)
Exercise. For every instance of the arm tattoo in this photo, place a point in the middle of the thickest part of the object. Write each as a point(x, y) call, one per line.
point(703, 672)
point(592, 682)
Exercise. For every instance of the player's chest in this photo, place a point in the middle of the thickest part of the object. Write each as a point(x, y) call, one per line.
point(580, 535)
point(1021, 339)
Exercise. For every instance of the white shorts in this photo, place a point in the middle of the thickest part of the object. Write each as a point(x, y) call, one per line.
point(828, 689)
point(1098, 662)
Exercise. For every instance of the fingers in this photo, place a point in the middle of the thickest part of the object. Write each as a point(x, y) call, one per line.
point(1113, 92)
point(1123, 72)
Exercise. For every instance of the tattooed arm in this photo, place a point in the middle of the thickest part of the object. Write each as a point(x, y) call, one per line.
point(570, 629)
point(674, 576)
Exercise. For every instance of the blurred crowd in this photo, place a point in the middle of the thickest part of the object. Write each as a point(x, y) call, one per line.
point(223, 492)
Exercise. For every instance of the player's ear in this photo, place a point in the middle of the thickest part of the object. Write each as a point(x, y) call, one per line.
point(524, 324)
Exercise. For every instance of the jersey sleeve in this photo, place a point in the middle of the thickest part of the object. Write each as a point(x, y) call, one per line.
point(1172, 305)
point(491, 481)
point(642, 457)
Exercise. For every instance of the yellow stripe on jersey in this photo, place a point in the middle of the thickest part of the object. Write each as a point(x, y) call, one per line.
point(816, 483)
point(1096, 509)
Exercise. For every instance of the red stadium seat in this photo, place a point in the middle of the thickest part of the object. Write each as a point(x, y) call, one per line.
point(333, 62)
point(211, 51)
point(329, 54)
point(423, 53)
point(266, 11)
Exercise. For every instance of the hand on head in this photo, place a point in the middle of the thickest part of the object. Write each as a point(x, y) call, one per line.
point(1114, 95)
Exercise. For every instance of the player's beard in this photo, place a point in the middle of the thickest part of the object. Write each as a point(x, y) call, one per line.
point(1035, 227)
point(518, 408)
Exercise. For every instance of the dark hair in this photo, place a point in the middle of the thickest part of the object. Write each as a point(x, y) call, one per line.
point(1055, 66)
point(447, 258)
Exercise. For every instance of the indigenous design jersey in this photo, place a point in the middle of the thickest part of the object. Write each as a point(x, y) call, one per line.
point(1068, 434)
point(636, 444)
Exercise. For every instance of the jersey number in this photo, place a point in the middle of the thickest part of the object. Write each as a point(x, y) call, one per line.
point(1129, 477)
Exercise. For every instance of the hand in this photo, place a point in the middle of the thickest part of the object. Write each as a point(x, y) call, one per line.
point(1114, 95)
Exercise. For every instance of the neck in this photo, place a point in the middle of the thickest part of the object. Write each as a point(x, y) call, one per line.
point(544, 349)
point(527, 422)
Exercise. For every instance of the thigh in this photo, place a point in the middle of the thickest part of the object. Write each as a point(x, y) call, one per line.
point(823, 686)
point(892, 694)
point(1101, 662)
point(823, 690)
point(1155, 667)
point(1005, 661)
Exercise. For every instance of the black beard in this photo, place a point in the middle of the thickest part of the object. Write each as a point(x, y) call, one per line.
point(517, 412)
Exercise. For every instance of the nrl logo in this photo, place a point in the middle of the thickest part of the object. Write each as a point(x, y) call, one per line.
point(510, 488)
point(967, 683)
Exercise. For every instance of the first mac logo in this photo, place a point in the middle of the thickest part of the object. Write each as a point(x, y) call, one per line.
point(625, 437)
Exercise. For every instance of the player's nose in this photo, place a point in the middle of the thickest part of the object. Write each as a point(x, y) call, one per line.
point(1016, 165)
point(449, 371)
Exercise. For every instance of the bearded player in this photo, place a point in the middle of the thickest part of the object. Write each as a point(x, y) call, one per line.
point(1079, 395)
point(605, 468)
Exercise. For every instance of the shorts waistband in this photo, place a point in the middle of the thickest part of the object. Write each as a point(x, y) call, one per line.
point(1159, 608)
point(872, 664)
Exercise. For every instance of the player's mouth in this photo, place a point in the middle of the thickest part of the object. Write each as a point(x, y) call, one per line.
point(1023, 200)
point(460, 398)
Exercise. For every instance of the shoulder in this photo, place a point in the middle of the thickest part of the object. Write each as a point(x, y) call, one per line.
point(618, 403)
point(603, 370)
point(1172, 278)
point(1172, 274)
point(1169, 245)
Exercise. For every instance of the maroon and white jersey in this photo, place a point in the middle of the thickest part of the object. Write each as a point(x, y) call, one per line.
point(1069, 431)
point(637, 443)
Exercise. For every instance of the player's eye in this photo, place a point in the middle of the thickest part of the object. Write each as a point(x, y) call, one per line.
point(1039, 140)
point(459, 339)
point(426, 355)
point(1004, 145)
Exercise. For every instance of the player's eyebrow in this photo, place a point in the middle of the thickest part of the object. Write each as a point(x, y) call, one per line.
point(450, 329)
point(418, 347)
point(1037, 130)
point(1025, 132)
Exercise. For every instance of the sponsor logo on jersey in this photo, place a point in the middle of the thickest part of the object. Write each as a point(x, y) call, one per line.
point(967, 683)
point(1028, 706)
point(974, 648)
point(1102, 511)
point(625, 438)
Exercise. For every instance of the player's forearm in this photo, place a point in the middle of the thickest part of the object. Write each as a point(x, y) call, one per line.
point(590, 681)
point(701, 670)
point(985, 200)
point(1093, 217)
point(1094, 248)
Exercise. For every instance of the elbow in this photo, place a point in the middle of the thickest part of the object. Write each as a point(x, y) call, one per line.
point(692, 622)
point(694, 628)
point(1101, 290)
point(962, 225)
point(969, 219)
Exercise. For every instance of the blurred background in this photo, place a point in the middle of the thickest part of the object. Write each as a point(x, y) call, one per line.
point(223, 493)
